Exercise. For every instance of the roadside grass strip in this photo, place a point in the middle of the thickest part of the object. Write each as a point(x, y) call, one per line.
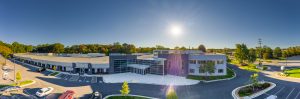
point(293, 72)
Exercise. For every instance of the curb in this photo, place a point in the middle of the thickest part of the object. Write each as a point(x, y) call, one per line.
point(106, 97)
point(235, 96)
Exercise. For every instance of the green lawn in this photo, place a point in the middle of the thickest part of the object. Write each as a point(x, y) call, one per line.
point(230, 74)
point(293, 72)
point(126, 97)
point(54, 74)
point(23, 83)
point(248, 67)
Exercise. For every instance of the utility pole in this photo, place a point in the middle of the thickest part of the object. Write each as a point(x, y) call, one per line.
point(260, 53)
point(14, 70)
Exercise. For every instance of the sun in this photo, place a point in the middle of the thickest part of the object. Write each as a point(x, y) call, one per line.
point(176, 30)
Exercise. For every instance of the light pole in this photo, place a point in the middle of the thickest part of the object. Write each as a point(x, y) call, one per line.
point(260, 53)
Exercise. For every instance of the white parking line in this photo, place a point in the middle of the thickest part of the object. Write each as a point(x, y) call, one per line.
point(289, 94)
point(279, 90)
point(297, 95)
point(84, 79)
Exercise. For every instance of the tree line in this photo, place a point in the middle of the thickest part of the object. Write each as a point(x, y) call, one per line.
point(243, 54)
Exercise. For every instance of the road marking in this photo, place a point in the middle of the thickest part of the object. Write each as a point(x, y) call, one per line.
point(289, 94)
point(279, 90)
point(297, 95)
point(84, 79)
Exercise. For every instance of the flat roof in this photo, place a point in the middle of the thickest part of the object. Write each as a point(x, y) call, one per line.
point(93, 60)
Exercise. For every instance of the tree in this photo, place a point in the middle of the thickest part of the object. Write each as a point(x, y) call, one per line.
point(285, 54)
point(267, 52)
point(171, 93)
point(252, 56)
point(254, 80)
point(125, 89)
point(208, 68)
point(202, 48)
point(241, 53)
point(277, 52)
point(5, 51)
point(18, 77)
point(57, 48)
point(266, 56)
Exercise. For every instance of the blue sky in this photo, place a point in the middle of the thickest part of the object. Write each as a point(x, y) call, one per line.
point(214, 23)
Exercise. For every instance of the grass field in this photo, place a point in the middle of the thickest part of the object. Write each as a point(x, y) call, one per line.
point(293, 72)
point(230, 74)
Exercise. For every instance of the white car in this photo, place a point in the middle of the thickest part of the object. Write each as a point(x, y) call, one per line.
point(44, 91)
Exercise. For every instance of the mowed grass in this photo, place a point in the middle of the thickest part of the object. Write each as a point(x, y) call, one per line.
point(23, 83)
point(293, 72)
point(248, 67)
point(230, 74)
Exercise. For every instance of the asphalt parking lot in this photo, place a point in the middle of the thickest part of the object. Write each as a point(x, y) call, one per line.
point(82, 79)
point(282, 92)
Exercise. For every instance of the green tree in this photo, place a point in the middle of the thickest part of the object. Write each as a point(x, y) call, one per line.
point(285, 54)
point(125, 89)
point(254, 80)
point(277, 52)
point(57, 48)
point(208, 68)
point(252, 56)
point(241, 53)
point(202, 48)
point(5, 51)
point(18, 77)
point(171, 93)
point(266, 56)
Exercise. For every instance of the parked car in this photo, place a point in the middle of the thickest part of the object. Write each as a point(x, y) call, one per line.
point(10, 88)
point(96, 95)
point(44, 91)
point(67, 95)
point(41, 69)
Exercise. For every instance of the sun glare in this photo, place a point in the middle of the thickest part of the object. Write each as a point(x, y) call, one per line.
point(176, 30)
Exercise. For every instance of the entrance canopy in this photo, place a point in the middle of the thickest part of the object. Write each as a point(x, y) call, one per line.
point(138, 66)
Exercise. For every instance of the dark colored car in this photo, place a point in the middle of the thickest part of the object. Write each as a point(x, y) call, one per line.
point(41, 69)
point(67, 95)
point(96, 95)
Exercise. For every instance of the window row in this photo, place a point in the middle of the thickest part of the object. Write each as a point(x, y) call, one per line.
point(200, 71)
point(206, 61)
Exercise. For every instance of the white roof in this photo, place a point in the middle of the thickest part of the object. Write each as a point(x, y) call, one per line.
point(138, 66)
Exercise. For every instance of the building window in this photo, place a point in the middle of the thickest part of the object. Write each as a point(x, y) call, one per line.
point(220, 62)
point(220, 71)
point(201, 62)
point(192, 71)
point(192, 61)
